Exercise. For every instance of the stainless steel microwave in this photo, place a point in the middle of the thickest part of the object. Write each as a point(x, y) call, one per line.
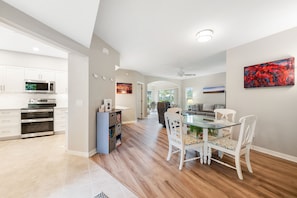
point(37, 86)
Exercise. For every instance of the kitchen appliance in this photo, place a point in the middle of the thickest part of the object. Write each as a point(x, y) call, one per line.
point(37, 86)
point(38, 118)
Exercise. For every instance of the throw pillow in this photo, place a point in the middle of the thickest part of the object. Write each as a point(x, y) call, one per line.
point(208, 107)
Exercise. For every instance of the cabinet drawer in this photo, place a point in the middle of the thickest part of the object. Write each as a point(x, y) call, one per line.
point(10, 121)
point(112, 119)
point(10, 131)
point(118, 129)
point(112, 143)
point(9, 113)
point(59, 127)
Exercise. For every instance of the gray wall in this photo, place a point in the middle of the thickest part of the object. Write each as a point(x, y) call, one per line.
point(275, 106)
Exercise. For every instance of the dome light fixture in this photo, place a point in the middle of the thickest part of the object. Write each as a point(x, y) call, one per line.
point(204, 35)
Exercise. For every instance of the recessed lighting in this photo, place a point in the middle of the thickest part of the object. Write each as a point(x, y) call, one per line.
point(35, 49)
point(204, 35)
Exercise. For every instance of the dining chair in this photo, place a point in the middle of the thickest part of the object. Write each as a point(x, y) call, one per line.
point(225, 114)
point(236, 148)
point(175, 110)
point(178, 138)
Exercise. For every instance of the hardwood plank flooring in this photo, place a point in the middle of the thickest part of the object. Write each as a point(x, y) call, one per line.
point(140, 164)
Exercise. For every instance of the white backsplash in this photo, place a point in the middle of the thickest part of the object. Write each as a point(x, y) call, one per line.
point(20, 100)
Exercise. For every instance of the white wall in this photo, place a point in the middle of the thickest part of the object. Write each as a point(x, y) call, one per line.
point(275, 107)
point(198, 83)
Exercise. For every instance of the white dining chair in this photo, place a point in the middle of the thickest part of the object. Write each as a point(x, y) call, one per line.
point(179, 140)
point(175, 110)
point(225, 114)
point(236, 148)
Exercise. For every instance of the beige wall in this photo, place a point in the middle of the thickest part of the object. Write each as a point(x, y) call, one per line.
point(101, 64)
point(78, 104)
point(198, 83)
point(275, 106)
point(129, 101)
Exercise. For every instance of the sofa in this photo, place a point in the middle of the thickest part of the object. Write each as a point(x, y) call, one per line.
point(162, 108)
point(204, 109)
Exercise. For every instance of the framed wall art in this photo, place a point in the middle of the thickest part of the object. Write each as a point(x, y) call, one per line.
point(216, 89)
point(270, 74)
point(124, 88)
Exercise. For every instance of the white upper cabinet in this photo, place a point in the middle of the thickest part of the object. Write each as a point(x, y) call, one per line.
point(39, 74)
point(11, 79)
point(61, 82)
point(15, 79)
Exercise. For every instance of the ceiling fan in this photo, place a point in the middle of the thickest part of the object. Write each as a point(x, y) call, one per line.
point(181, 73)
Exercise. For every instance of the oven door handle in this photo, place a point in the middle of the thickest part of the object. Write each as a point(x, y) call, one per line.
point(36, 110)
point(37, 120)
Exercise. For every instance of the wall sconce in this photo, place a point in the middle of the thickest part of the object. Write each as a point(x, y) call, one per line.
point(111, 79)
point(103, 77)
point(95, 75)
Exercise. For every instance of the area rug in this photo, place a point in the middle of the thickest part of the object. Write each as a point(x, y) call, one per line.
point(101, 195)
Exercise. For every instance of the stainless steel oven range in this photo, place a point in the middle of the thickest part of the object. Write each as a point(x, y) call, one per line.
point(38, 118)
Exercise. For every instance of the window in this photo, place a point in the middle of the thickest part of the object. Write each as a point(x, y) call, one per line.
point(189, 96)
point(167, 95)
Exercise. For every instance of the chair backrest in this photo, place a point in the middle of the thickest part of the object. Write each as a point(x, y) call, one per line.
point(227, 114)
point(175, 110)
point(173, 122)
point(247, 131)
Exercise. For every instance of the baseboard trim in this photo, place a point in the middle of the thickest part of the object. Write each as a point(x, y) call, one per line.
point(92, 152)
point(274, 153)
point(82, 154)
point(130, 122)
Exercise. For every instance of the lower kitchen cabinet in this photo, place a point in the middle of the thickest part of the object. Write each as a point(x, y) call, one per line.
point(60, 119)
point(10, 123)
point(109, 134)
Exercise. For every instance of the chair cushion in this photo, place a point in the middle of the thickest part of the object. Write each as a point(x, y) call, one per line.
point(188, 140)
point(225, 142)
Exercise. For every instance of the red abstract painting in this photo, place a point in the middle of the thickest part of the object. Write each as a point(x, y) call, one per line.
point(270, 74)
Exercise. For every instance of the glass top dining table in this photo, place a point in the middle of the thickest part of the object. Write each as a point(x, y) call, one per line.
point(206, 122)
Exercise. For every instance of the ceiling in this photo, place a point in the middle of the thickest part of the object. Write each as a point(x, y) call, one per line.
point(158, 37)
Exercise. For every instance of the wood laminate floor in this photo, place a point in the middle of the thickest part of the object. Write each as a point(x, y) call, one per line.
point(140, 164)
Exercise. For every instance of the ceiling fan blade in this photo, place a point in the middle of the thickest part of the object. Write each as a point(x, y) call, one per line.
point(189, 74)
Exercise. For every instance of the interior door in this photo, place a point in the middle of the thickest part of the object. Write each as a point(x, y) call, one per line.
point(139, 101)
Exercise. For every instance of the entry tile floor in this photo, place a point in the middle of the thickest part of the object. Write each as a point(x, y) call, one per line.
point(40, 167)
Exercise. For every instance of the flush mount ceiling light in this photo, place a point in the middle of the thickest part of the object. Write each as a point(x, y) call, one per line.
point(35, 49)
point(204, 35)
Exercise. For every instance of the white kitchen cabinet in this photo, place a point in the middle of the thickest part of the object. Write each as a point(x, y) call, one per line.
point(61, 82)
point(40, 74)
point(11, 79)
point(2, 78)
point(14, 79)
point(60, 119)
point(10, 123)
